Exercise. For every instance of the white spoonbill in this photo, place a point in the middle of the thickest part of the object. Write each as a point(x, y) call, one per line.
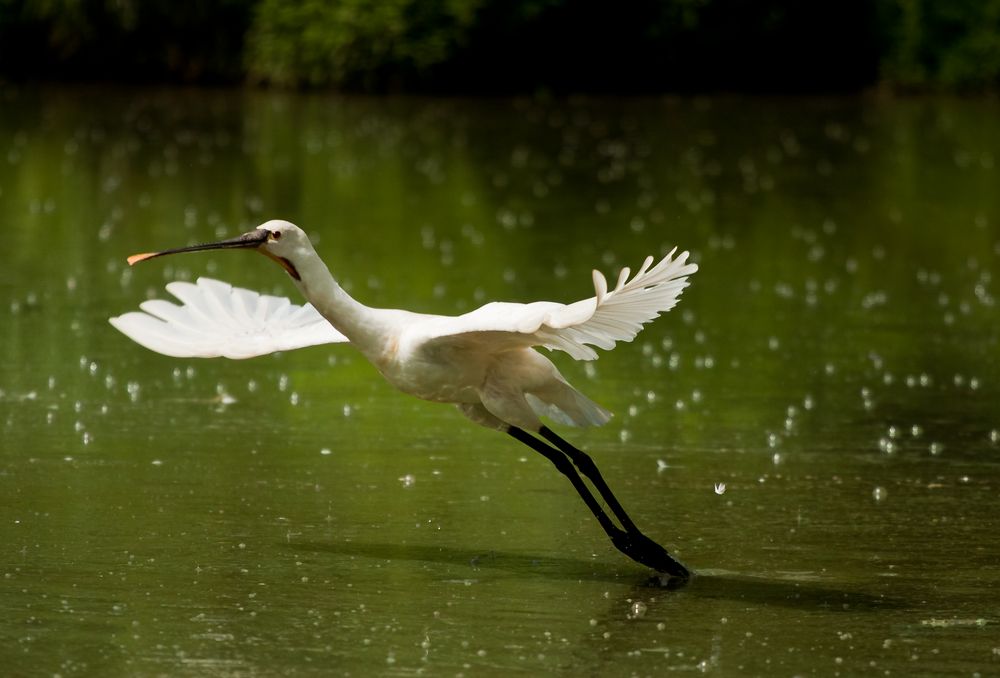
point(484, 361)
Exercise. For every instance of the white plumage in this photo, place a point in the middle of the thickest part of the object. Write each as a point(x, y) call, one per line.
point(600, 321)
point(484, 361)
point(219, 320)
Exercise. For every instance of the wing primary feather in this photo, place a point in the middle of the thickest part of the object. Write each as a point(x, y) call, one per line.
point(622, 278)
point(216, 319)
point(599, 321)
point(600, 286)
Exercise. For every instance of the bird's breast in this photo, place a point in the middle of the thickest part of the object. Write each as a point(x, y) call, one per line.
point(441, 376)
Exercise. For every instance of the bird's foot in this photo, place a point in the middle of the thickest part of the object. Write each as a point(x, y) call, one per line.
point(642, 549)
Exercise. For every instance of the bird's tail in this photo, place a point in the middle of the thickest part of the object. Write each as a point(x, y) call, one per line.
point(565, 405)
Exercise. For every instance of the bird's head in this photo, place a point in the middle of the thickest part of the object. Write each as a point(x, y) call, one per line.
point(280, 240)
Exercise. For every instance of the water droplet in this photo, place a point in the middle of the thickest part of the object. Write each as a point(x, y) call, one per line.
point(408, 480)
point(325, 451)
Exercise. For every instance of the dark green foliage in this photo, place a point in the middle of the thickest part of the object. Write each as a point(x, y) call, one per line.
point(954, 44)
point(123, 39)
point(500, 46)
point(680, 45)
point(354, 43)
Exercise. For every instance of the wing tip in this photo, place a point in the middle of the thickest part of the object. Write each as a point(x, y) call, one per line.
point(600, 286)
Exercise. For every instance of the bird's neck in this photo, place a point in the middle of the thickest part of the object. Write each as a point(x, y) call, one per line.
point(354, 320)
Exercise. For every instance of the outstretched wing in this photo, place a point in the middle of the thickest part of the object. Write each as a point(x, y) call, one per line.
point(217, 319)
point(600, 321)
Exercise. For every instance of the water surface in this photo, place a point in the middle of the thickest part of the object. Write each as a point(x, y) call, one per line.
point(815, 429)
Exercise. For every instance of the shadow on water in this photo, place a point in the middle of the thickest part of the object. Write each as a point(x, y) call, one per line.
point(754, 590)
point(786, 593)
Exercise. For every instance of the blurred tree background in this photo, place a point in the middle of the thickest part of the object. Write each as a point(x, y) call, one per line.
point(504, 46)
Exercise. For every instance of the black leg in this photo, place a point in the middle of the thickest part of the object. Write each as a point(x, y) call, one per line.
point(630, 541)
point(566, 468)
point(588, 468)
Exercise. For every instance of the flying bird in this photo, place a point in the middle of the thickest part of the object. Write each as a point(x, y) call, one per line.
point(484, 361)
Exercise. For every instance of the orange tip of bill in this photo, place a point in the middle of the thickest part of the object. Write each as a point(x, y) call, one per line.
point(136, 258)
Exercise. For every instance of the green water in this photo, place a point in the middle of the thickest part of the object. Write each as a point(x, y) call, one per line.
point(815, 429)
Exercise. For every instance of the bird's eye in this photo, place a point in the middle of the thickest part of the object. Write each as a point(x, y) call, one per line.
point(275, 235)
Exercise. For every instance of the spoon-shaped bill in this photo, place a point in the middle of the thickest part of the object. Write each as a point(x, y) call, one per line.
point(251, 240)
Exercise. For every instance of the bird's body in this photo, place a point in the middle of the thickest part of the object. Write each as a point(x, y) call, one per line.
point(484, 361)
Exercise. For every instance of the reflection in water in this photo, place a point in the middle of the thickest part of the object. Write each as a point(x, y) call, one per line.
point(546, 566)
point(799, 594)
